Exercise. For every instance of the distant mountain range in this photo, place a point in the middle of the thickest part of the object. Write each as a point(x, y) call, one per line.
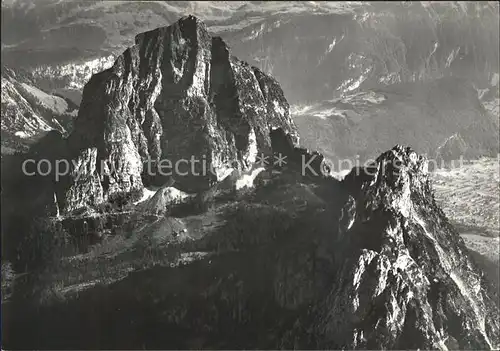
point(28, 112)
point(433, 67)
point(317, 50)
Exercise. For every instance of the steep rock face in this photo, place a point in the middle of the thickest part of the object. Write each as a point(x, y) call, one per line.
point(404, 279)
point(177, 96)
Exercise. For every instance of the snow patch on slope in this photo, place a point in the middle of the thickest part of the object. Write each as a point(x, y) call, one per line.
point(147, 193)
point(247, 180)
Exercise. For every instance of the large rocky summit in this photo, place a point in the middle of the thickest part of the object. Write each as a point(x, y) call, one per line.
point(177, 95)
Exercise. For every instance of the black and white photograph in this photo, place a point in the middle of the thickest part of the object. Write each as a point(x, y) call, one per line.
point(250, 175)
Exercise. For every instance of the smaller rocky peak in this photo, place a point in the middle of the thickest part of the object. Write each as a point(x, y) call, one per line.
point(400, 166)
point(393, 180)
point(391, 165)
point(403, 270)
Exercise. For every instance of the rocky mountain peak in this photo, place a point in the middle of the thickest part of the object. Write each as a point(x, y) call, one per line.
point(187, 27)
point(392, 179)
point(404, 277)
point(177, 94)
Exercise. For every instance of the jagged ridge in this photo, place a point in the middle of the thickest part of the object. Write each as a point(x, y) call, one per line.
point(405, 279)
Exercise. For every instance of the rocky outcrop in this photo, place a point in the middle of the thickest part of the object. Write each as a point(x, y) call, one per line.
point(404, 277)
point(162, 199)
point(175, 104)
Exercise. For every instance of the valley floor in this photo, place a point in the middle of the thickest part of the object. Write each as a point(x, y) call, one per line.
point(469, 194)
